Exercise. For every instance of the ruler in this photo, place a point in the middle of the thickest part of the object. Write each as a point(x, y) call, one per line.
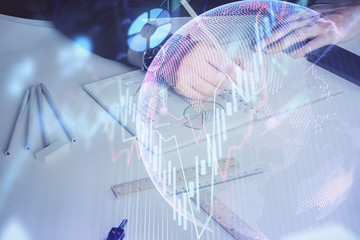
point(234, 172)
point(227, 219)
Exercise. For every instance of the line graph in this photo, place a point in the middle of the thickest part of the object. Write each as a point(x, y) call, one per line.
point(206, 137)
point(197, 138)
point(127, 151)
point(134, 142)
point(197, 134)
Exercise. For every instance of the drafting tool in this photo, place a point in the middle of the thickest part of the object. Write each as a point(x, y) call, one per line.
point(228, 219)
point(48, 150)
point(41, 116)
point(29, 118)
point(19, 117)
point(59, 117)
point(188, 8)
point(47, 154)
point(234, 172)
point(113, 115)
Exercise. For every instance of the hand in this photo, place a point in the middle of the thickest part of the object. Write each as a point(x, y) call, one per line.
point(335, 24)
point(203, 69)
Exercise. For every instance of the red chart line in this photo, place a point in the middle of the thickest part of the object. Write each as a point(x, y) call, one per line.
point(128, 151)
point(222, 172)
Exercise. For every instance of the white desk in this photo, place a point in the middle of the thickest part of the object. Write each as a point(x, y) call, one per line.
point(70, 197)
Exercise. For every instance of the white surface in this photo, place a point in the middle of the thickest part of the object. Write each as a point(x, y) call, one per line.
point(70, 197)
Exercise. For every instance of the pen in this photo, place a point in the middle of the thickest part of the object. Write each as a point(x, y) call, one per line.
point(20, 114)
point(41, 116)
point(52, 104)
point(118, 233)
point(29, 118)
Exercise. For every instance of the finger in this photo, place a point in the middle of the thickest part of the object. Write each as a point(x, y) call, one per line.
point(218, 59)
point(301, 15)
point(316, 43)
point(196, 78)
point(205, 89)
point(192, 86)
point(296, 36)
point(215, 68)
point(285, 30)
point(188, 91)
point(208, 73)
point(223, 66)
point(211, 63)
point(212, 76)
point(215, 78)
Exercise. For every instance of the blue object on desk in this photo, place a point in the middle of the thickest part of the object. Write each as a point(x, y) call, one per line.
point(334, 59)
point(117, 233)
point(337, 60)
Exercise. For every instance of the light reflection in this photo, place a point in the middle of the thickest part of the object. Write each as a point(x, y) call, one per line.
point(330, 231)
point(74, 57)
point(14, 230)
point(19, 74)
point(11, 175)
point(84, 42)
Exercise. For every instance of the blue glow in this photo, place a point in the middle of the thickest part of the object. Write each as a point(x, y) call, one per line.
point(76, 52)
point(15, 87)
point(303, 2)
point(138, 24)
point(273, 20)
point(138, 43)
point(8, 179)
point(154, 13)
point(19, 75)
point(84, 42)
point(163, 18)
point(14, 230)
point(267, 27)
point(159, 35)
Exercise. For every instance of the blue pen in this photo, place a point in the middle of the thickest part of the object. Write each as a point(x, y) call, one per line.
point(118, 233)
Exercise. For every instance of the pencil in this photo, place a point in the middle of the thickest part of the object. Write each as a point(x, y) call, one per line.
point(52, 104)
point(19, 116)
point(29, 118)
point(41, 116)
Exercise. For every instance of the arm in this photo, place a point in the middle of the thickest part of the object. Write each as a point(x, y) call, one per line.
point(335, 24)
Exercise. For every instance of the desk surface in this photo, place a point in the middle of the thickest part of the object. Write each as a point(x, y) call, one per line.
point(70, 197)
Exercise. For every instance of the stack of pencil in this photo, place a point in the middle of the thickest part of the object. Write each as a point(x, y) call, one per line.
point(27, 105)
